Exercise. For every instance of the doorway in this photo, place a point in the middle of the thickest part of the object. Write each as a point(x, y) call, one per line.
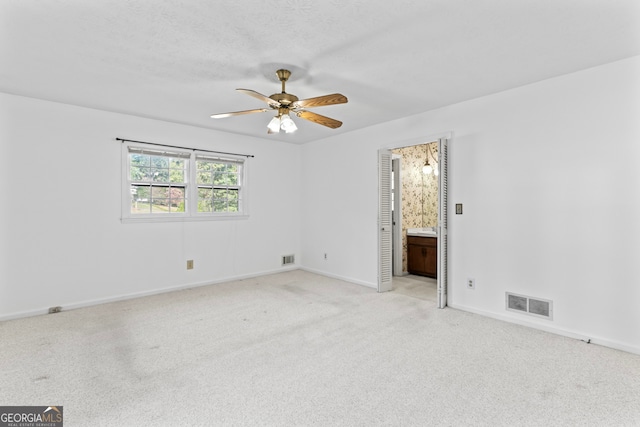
point(424, 161)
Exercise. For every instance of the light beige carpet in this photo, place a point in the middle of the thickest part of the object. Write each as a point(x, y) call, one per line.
point(301, 349)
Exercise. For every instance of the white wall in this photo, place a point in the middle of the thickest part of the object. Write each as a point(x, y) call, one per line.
point(548, 174)
point(61, 239)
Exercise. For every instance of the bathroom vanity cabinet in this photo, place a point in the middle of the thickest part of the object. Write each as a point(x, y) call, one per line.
point(422, 256)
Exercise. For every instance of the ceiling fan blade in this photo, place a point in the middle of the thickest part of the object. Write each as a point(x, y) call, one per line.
point(320, 101)
point(260, 96)
point(238, 113)
point(317, 118)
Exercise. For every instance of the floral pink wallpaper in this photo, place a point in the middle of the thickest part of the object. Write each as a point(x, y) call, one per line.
point(419, 191)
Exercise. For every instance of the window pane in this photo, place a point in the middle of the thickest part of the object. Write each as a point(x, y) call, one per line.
point(139, 199)
point(177, 199)
point(139, 173)
point(205, 205)
point(219, 205)
point(159, 192)
point(177, 164)
point(205, 193)
point(160, 162)
point(160, 206)
point(205, 196)
point(159, 199)
point(140, 192)
point(234, 200)
point(176, 193)
point(221, 200)
point(220, 178)
point(138, 207)
point(176, 175)
point(204, 177)
point(177, 205)
point(220, 193)
point(140, 159)
point(160, 175)
point(203, 166)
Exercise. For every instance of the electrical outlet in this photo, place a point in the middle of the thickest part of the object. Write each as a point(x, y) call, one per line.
point(325, 256)
point(189, 264)
point(56, 309)
point(471, 283)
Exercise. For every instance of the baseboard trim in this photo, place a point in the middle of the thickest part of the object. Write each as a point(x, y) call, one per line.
point(122, 297)
point(554, 330)
point(343, 278)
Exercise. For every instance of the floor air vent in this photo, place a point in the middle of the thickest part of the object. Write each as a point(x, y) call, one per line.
point(288, 259)
point(529, 305)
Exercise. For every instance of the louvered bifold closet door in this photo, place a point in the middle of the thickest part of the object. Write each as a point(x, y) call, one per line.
point(443, 237)
point(385, 273)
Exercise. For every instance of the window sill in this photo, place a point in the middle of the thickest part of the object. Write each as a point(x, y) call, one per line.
point(149, 219)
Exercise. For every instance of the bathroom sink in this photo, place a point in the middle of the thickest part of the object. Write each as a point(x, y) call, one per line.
point(424, 232)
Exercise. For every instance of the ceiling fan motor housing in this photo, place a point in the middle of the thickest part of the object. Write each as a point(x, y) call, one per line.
point(284, 98)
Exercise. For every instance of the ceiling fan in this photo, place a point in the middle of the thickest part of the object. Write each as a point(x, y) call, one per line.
point(286, 104)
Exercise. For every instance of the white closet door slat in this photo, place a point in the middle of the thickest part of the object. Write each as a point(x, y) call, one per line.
point(443, 238)
point(385, 273)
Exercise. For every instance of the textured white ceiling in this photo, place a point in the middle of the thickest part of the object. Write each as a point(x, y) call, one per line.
point(181, 60)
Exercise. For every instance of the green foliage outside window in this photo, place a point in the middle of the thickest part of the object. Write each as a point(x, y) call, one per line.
point(153, 191)
point(218, 189)
point(158, 183)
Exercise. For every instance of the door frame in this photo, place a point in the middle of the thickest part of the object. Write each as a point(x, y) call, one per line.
point(396, 165)
point(442, 284)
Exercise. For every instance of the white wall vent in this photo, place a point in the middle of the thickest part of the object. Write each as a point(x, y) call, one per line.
point(288, 259)
point(535, 306)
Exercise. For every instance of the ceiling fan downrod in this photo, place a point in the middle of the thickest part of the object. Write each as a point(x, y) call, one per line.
point(283, 76)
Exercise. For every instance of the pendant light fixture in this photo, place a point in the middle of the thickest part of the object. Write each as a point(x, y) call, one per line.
point(427, 168)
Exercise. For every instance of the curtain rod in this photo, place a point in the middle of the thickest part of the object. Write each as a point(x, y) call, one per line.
point(185, 148)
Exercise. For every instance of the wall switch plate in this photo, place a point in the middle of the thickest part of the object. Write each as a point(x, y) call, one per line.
point(471, 283)
point(189, 264)
point(458, 208)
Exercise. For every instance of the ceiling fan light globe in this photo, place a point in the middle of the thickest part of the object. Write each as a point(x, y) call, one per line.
point(274, 125)
point(287, 124)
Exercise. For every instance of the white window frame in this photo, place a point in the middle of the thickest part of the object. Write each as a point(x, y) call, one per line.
point(191, 187)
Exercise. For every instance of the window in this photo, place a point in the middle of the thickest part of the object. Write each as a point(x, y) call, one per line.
point(158, 181)
point(219, 182)
point(175, 184)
